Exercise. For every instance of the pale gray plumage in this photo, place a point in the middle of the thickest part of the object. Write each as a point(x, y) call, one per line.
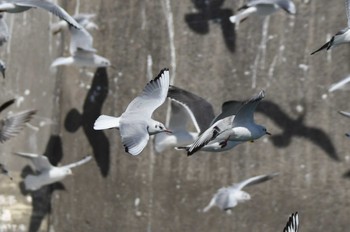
point(18, 6)
point(263, 8)
point(82, 52)
point(187, 107)
point(227, 198)
point(240, 127)
point(136, 124)
point(45, 172)
point(342, 36)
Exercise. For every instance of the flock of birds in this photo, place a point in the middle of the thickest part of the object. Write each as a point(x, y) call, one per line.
point(233, 126)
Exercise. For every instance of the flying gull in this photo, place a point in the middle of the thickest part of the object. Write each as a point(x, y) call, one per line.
point(47, 173)
point(135, 124)
point(12, 125)
point(292, 224)
point(188, 107)
point(342, 36)
point(85, 20)
point(239, 127)
point(18, 6)
point(263, 8)
point(82, 52)
point(227, 198)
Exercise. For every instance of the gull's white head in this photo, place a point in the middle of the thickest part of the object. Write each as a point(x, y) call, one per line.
point(259, 132)
point(102, 62)
point(156, 127)
point(68, 171)
point(242, 196)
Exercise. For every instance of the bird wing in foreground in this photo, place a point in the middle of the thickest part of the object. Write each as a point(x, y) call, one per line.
point(80, 39)
point(246, 112)
point(152, 96)
point(134, 137)
point(78, 163)
point(286, 5)
point(12, 125)
point(51, 7)
point(7, 104)
point(40, 162)
point(229, 108)
point(254, 180)
point(200, 111)
point(292, 224)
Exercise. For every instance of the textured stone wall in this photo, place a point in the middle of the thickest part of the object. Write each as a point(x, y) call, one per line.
point(205, 55)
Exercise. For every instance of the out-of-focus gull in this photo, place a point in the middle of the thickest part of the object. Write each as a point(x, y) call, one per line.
point(18, 6)
point(4, 31)
point(85, 20)
point(239, 128)
point(12, 125)
point(2, 68)
point(342, 36)
point(185, 107)
point(339, 84)
point(263, 8)
point(47, 173)
point(346, 114)
point(82, 52)
point(292, 224)
point(135, 124)
point(227, 198)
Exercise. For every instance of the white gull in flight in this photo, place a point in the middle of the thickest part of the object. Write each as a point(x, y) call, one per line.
point(187, 107)
point(227, 198)
point(135, 124)
point(47, 173)
point(239, 127)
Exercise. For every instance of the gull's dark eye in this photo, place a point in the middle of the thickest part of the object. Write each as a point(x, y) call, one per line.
point(160, 127)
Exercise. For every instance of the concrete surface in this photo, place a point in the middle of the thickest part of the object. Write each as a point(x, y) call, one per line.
point(206, 55)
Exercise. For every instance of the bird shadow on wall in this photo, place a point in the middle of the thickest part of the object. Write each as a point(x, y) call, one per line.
point(296, 127)
point(210, 10)
point(347, 174)
point(41, 198)
point(91, 110)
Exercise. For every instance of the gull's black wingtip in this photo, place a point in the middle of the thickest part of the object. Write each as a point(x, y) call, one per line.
point(161, 73)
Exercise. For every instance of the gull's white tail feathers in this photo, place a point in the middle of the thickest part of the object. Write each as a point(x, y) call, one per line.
point(242, 15)
point(106, 122)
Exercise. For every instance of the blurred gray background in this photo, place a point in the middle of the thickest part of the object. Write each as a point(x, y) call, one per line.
point(205, 55)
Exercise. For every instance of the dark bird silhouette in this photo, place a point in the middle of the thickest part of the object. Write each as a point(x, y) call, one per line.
point(296, 127)
point(41, 199)
point(210, 10)
point(91, 110)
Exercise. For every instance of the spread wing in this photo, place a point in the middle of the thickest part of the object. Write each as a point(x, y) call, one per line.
point(254, 180)
point(40, 162)
point(292, 224)
point(229, 108)
point(152, 96)
point(78, 163)
point(51, 7)
point(201, 112)
point(12, 125)
point(7, 104)
point(246, 112)
point(134, 136)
